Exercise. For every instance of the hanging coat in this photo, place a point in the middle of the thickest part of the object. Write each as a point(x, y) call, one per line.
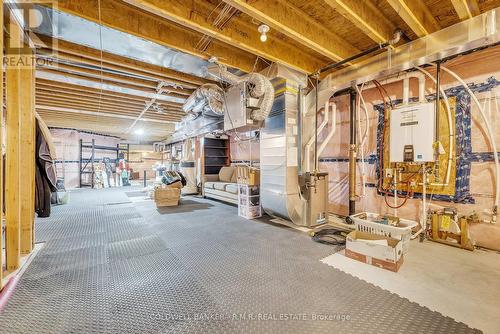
point(45, 176)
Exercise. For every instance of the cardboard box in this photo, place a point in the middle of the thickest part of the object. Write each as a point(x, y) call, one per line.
point(377, 250)
point(247, 175)
point(167, 196)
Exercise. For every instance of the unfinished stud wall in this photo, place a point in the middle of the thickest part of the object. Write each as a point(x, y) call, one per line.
point(482, 70)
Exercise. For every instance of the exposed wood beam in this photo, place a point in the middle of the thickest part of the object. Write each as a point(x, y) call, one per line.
point(101, 102)
point(120, 16)
point(466, 9)
point(416, 15)
point(113, 76)
point(236, 33)
point(99, 114)
point(86, 55)
point(293, 22)
point(94, 92)
point(71, 79)
point(365, 16)
point(97, 109)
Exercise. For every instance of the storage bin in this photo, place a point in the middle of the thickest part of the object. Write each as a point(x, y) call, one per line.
point(365, 222)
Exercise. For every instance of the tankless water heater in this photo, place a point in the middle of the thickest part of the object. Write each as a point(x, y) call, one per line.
point(412, 131)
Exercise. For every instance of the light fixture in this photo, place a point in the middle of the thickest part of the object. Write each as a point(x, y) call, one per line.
point(263, 29)
point(139, 132)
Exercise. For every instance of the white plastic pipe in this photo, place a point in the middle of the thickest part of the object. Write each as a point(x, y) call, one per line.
point(332, 130)
point(311, 140)
point(490, 135)
point(406, 90)
point(451, 131)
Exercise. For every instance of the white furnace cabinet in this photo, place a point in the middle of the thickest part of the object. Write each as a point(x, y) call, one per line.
point(412, 131)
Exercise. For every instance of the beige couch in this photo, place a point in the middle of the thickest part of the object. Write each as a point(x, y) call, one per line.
point(223, 186)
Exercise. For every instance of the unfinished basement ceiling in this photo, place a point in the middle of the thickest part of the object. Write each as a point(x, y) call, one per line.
point(155, 52)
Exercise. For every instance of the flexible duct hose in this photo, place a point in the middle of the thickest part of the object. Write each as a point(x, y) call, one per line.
point(261, 87)
point(208, 100)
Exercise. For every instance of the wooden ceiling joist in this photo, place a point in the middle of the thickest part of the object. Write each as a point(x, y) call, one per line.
point(235, 33)
point(97, 114)
point(291, 21)
point(123, 17)
point(365, 16)
point(85, 55)
point(41, 91)
point(466, 9)
point(120, 77)
point(83, 90)
point(416, 15)
point(106, 80)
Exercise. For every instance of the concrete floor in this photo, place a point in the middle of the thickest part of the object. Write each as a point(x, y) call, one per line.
point(460, 284)
point(114, 263)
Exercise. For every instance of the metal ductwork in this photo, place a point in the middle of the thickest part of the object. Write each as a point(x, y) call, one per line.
point(207, 100)
point(259, 87)
point(284, 193)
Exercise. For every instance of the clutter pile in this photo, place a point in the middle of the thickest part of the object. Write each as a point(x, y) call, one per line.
point(168, 192)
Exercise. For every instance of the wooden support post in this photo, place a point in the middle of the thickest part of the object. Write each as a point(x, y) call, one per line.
point(1, 147)
point(33, 156)
point(12, 167)
point(26, 170)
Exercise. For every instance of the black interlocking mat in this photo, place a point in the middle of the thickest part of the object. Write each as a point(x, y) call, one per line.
point(113, 266)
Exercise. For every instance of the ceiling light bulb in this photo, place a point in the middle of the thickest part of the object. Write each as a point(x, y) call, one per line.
point(263, 29)
point(139, 132)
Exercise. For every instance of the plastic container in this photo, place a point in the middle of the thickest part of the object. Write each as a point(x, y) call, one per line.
point(368, 224)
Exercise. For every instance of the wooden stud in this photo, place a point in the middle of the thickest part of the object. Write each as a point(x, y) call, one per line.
point(12, 158)
point(33, 155)
point(1, 148)
point(27, 155)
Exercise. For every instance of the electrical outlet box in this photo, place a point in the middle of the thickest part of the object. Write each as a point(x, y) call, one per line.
point(412, 131)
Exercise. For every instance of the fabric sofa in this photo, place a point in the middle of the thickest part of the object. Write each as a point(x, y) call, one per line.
point(222, 186)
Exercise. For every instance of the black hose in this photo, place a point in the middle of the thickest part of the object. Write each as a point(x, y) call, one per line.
point(330, 236)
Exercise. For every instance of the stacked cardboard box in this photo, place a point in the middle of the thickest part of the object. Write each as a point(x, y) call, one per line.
point(167, 196)
point(248, 175)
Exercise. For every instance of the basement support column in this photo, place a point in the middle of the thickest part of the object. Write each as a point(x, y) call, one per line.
point(353, 148)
